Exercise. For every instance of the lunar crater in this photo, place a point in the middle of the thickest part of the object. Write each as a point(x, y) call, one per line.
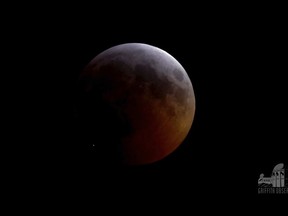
point(178, 74)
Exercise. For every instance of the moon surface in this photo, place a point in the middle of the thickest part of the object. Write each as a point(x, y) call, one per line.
point(136, 103)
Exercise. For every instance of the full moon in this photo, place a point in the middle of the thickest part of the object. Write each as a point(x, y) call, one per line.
point(135, 104)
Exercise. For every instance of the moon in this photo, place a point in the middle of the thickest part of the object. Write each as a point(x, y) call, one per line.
point(136, 103)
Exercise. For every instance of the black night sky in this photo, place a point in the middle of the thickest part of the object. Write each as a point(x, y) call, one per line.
point(237, 67)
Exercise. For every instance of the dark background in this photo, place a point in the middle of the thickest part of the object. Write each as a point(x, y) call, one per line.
point(236, 61)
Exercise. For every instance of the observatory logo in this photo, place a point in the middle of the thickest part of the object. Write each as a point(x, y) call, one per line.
point(277, 183)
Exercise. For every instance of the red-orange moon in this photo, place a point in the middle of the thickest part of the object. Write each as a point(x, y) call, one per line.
point(136, 103)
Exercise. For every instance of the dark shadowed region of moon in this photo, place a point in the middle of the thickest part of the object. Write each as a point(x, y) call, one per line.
point(135, 103)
